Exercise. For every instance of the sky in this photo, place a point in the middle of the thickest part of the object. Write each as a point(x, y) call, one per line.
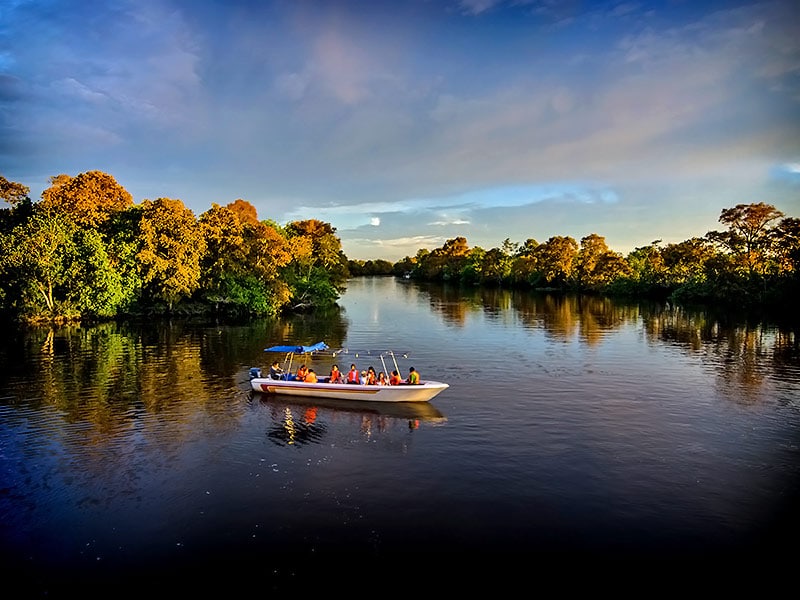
point(405, 124)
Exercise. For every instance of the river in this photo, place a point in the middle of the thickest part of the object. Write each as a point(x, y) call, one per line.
point(575, 430)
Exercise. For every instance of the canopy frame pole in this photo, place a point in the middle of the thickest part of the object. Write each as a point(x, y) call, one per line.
point(397, 368)
point(289, 358)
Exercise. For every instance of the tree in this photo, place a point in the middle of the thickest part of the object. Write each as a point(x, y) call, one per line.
point(95, 286)
point(523, 266)
point(556, 260)
point(445, 263)
point(171, 246)
point(685, 262)
point(90, 198)
point(36, 258)
point(496, 264)
point(225, 248)
point(12, 192)
point(750, 235)
point(244, 211)
point(787, 245)
point(317, 271)
point(326, 247)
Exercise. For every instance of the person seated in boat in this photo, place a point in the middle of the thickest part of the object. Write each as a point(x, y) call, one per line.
point(382, 379)
point(395, 378)
point(336, 375)
point(372, 378)
point(302, 371)
point(275, 371)
point(352, 375)
point(363, 379)
point(310, 377)
point(413, 376)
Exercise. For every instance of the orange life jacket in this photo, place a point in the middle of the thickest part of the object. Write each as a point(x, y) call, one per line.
point(310, 377)
point(395, 380)
point(352, 375)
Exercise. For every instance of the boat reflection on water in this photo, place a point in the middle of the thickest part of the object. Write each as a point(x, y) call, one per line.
point(298, 420)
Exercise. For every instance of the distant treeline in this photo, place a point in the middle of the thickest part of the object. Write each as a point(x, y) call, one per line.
point(85, 251)
point(751, 263)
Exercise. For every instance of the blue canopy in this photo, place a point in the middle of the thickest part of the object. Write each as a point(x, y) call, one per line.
point(298, 349)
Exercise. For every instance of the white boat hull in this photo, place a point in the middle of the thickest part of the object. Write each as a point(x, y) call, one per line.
point(422, 392)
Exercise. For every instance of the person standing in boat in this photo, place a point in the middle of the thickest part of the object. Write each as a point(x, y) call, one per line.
point(395, 378)
point(413, 376)
point(336, 375)
point(301, 373)
point(352, 375)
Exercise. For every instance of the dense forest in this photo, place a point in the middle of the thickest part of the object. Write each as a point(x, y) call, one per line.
point(85, 251)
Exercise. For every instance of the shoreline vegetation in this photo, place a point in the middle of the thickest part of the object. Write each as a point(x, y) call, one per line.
point(86, 253)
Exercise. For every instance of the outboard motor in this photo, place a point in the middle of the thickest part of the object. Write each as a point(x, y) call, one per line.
point(255, 372)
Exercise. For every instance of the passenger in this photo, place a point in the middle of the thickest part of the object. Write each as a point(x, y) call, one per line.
point(413, 377)
point(382, 379)
point(363, 379)
point(395, 378)
point(352, 375)
point(372, 378)
point(336, 375)
point(301, 373)
point(275, 371)
point(311, 377)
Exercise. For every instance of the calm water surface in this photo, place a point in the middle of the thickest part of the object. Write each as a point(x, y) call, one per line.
point(573, 430)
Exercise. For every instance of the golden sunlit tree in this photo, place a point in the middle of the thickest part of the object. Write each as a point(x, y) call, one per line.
point(447, 262)
point(556, 260)
point(171, 246)
point(268, 254)
point(89, 199)
point(750, 237)
point(12, 192)
point(317, 272)
point(686, 261)
point(596, 266)
point(524, 270)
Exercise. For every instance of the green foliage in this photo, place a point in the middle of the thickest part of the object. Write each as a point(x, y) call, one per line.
point(96, 286)
point(359, 268)
point(239, 295)
point(314, 290)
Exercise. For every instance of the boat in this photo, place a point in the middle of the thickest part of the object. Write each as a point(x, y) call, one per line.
point(287, 384)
